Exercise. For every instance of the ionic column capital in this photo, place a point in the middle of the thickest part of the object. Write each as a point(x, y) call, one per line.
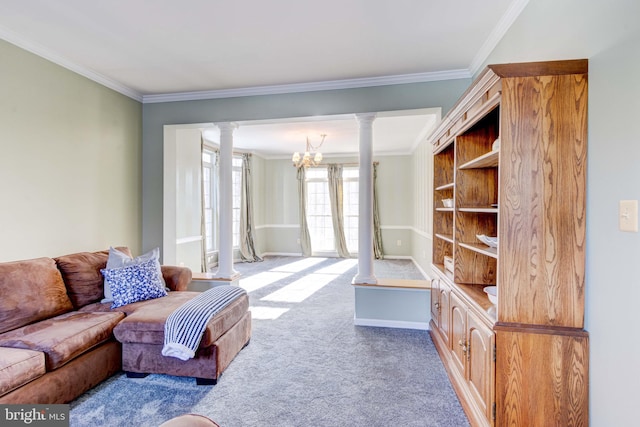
point(226, 126)
point(366, 118)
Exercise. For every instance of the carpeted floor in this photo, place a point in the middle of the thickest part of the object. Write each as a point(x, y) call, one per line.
point(306, 365)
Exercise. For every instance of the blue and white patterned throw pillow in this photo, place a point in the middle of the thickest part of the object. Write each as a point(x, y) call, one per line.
point(133, 283)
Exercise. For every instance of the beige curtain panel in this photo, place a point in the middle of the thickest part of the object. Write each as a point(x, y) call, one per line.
point(247, 243)
point(305, 239)
point(336, 200)
point(377, 234)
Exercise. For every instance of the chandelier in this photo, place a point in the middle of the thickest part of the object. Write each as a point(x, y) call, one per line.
point(306, 160)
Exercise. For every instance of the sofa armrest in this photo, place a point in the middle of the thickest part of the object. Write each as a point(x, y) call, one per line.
point(176, 278)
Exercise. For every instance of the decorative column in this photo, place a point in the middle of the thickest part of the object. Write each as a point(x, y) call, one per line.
point(225, 209)
point(365, 201)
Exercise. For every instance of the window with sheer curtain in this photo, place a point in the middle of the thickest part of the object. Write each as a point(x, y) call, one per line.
point(319, 209)
point(210, 196)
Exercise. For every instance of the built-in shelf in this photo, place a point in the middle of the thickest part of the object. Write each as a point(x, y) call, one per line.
point(478, 298)
point(483, 249)
point(445, 237)
point(488, 160)
point(494, 359)
point(479, 209)
point(445, 187)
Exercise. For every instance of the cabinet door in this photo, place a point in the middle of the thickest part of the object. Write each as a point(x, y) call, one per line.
point(435, 301)
point(445, 315)
point(459, 343)
point(481, 366)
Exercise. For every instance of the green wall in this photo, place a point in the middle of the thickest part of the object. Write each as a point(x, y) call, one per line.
point(70, 167)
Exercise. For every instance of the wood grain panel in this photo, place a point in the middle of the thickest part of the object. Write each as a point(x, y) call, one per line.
point(445, 315)
point(469, 224)
point(441, 248)
point(443, 164)
point(542, 379)
point(477, 140)
point(472, 267)
point(481, 367)
point(477, 187)
point(458, 312)
point(542, 196)
point(443, 222)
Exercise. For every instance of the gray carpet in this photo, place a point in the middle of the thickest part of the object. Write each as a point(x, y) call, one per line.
point(308, 367)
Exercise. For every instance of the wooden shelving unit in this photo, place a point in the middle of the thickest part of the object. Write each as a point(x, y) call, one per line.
point(504, 360)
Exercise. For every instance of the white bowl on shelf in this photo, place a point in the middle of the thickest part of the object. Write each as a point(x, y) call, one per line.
point(447, 203)
point(492, 293)
point(489, 241)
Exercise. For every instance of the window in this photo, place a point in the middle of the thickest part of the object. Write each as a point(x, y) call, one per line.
point(210, 184)
point(319, 209)
point(211, 202)
point(236, 180)
point(350, 204)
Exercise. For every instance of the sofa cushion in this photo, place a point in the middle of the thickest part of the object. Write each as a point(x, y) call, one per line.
point(81, 273)
point(31, 290)
point(136, 282)
point(145, 321)
point(18, 367)
point(63, 337)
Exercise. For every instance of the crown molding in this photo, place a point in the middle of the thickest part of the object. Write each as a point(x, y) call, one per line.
point(308, 87)
point(513, 11)
point(49, 55)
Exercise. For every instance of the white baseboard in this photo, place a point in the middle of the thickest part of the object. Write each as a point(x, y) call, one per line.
point(424, 273)
point(399, 324)
point(280, 254)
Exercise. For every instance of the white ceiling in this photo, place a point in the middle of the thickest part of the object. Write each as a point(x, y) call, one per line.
point(163, 50)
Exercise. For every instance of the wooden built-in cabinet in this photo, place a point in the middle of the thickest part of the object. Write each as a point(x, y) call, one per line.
point(523, 361)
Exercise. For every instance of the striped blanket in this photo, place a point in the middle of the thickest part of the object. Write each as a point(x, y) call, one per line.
point(184, 327)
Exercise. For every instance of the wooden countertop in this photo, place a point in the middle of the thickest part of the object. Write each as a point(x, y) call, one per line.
point(398, 283)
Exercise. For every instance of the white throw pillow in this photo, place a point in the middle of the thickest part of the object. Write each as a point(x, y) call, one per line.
point(119, 259)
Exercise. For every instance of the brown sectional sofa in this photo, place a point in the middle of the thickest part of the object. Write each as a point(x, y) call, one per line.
point(57, 340)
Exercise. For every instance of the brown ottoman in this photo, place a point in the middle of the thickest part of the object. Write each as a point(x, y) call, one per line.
point(142, 336)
